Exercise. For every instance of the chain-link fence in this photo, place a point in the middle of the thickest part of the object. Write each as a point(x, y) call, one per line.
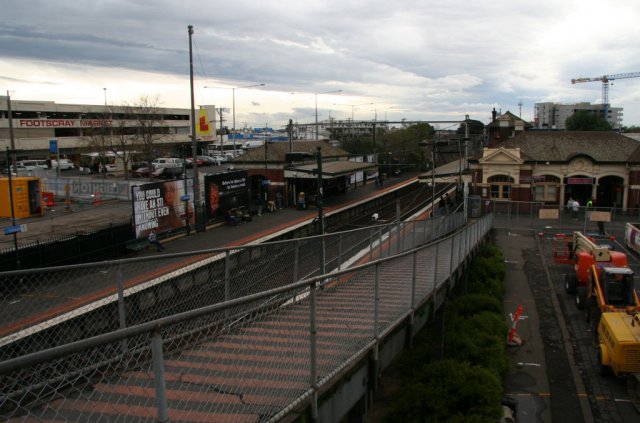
point(544, 217)
point(230, 336)
point(44, 308)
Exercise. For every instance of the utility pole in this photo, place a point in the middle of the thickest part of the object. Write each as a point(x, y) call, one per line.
point(320, 212)
point(13, 216)
point(194, 144)
point(11, 138)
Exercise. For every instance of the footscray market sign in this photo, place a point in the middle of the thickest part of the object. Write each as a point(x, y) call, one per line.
point(64, 123)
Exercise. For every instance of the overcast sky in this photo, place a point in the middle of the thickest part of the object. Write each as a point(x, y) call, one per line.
point(412, 59)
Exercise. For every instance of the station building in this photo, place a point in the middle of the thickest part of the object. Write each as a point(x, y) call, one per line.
point(548, 167)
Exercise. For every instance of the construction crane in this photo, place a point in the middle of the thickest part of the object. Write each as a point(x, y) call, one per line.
point(605, 86)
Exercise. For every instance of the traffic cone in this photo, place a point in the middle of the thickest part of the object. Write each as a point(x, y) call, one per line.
point(513, 339)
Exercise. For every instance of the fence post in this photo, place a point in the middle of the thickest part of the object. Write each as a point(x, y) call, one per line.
point(227, 273)
point(313, 357)
point(371, 244)
point(413, 233)
point(295, 261)
point(121, 308)
point(340, 251)
point(376, 316)
point(158, 375)
point(414, 258)
point(435, 277)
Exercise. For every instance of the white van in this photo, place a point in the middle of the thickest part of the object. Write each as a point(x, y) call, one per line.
point(33, 164)
point(64, 164)
point(166, 162)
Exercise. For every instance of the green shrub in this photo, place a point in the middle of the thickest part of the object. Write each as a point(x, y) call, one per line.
point(449, 391)
point(466, 386)
point(470, 304)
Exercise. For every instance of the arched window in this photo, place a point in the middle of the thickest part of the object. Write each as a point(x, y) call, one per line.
point(546, 188)
point(500, 186)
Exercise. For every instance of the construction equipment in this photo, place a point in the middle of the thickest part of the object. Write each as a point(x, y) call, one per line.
point(610, 289)
point(603, 281)
point(582, 252)
point(605, 86)
point(618, 350)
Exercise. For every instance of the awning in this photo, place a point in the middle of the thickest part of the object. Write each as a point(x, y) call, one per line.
point(447, 173)
point(330, 170)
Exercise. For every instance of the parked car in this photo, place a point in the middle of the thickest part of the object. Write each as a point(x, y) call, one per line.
point(33, 164)
point(160, 173)
point(167, 162)
point(65, 164)
point(189, 162)
point(208, 160)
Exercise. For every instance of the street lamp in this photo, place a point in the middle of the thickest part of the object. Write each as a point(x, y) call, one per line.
point(353, 106)
point(316, 95)
point(233, 93)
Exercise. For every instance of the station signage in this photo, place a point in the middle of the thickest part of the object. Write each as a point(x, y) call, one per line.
point(579, 181)
point(64, 123)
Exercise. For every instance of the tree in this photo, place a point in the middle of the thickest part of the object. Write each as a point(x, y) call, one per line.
point(123, 139)
point(584, 120)
point(149, 125)
point(475, 128)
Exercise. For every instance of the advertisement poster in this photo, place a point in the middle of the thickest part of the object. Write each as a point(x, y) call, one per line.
point(225, 191)
point(159, 206)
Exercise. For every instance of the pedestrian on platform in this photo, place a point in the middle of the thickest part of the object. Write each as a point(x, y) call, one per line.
point(442, 206)
point(575, 208)
point(259, 202)
point(153, 239)
point(278, 200)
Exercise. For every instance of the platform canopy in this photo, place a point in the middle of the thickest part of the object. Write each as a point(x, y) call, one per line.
point(330, 170)
point(448, 173)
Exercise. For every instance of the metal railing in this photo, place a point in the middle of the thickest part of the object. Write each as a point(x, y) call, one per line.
point(251, 354)
point(46, 307)
point(528, 215)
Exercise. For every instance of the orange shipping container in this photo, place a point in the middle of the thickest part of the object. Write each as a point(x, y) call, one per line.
point(27, 199)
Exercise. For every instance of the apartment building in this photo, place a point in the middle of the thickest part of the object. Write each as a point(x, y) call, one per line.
point(553, 115)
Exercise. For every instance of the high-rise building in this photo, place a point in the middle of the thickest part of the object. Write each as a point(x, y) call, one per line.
point(554, 115)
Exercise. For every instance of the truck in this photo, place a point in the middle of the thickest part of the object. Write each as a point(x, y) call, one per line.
point(632, 236)
point(582, 252)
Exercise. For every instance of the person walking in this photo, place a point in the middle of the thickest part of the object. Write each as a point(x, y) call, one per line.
point(153, 239)
point(575, 208)
point(278, 200)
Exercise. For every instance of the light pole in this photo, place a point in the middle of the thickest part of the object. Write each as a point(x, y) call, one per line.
point(233, 94)
point(353, 124)
point(199, 223)
point(316, 95)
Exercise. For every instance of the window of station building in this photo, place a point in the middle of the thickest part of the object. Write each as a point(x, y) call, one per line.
point(546, 188)
point(500, 186)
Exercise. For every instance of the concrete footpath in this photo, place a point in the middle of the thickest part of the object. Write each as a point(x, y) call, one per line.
point(544, 378)
point(527, 381)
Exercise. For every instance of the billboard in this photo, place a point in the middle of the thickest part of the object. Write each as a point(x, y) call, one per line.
point(158, 206)
point(225, 191)
point(206, 124)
